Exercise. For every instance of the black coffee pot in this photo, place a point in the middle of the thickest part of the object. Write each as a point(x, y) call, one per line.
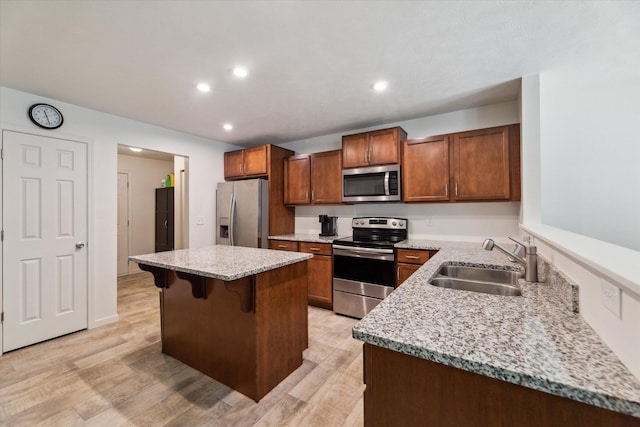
point(328, 225)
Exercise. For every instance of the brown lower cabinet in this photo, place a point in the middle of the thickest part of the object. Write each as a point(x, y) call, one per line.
point(408, 261)
point(403, 390)
point(319, 268)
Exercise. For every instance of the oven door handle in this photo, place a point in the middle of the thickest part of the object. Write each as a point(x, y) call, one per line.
point(349, 251)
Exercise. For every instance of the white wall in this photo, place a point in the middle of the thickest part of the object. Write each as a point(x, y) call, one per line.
point(106, 132)
point(581, 175)
point(590, 127)
point(457, 221)
point(144, 177)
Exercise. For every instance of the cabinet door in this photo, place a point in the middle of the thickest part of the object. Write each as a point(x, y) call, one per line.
point(425, 169)
point(255, 161)
point(326, 177)
point(403, 271)
point(481, 164)
point(355, 150)
point(320, 281)
point(384, 147)
point(297, 174)
point(233, 164)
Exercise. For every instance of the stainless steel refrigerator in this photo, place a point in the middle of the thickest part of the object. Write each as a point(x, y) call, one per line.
point(243, 213)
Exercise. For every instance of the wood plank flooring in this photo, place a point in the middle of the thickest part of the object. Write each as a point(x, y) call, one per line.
point(116, 375)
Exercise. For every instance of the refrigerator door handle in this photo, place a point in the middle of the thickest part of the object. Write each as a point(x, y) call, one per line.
point(232, 219)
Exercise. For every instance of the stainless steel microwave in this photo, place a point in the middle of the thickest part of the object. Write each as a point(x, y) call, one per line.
point(371, 184)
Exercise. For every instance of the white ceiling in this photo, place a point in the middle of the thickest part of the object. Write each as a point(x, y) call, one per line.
point(311, 63)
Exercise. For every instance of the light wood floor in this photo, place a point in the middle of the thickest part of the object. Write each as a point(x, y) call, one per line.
point(116, 375)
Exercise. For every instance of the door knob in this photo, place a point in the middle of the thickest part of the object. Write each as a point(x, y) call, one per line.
point(80, 245)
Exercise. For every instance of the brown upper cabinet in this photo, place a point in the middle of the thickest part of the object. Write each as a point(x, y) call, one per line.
point(466, 166)
point(250, 162)
point(486, 164)
point(380, 147)
point(314, 178)
point(425, 169)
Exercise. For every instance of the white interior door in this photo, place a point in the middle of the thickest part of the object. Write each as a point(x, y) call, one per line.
point(123, 223)
point(45, 230)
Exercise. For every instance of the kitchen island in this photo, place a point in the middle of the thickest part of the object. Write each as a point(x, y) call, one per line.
point(436, 356)
point(236, 314)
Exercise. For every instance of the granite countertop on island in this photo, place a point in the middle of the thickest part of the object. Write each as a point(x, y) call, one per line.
point(537, 340)
point(303, 237)
point(222, 262)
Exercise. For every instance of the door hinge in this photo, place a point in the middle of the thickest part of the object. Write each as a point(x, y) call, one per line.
point(2, 235)
point(2, 317)
point(2, 153)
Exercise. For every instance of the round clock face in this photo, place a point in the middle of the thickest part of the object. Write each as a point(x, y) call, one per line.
point(46, 116)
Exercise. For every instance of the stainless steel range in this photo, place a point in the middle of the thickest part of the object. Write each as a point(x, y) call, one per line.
point(364, 264)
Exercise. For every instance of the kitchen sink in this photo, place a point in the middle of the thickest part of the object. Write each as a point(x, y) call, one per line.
point(475, 279)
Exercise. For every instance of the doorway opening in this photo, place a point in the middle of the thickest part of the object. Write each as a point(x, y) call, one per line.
point(140, 175)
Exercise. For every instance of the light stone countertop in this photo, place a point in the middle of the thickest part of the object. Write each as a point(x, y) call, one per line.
point(302, 237)
point(537, 340)
point(222, 262)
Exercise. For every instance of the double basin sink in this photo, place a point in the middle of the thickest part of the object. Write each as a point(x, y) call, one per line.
point(476, 279)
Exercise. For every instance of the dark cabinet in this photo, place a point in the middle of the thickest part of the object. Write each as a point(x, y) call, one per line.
point(164, 219)
point(313, 178)
point(380, 147)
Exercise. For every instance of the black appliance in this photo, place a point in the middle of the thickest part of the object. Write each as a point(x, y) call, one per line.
point(364, 264)
point(371, 184)
point(328, 225)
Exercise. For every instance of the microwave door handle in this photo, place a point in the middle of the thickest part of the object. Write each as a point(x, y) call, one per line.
point(386, 184)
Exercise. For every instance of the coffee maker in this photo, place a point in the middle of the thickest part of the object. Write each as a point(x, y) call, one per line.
point(328, 225)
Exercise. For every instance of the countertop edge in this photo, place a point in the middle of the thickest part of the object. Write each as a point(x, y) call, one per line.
point(563, 390)
point(302, 257)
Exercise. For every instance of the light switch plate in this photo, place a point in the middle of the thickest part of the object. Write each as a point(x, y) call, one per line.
point(611, 298)
point(200, 220)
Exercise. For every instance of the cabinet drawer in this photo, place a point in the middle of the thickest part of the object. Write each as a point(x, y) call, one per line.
point(412, 256)
point(316, 248)
point(283, 245)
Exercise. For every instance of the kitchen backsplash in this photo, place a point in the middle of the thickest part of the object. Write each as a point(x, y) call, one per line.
point(459, 221)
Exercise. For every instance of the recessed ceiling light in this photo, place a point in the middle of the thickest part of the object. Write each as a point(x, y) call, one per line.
point(240, 71)
point(203, 87)
point(227, 126)
point(380, 86)
point(135, 150)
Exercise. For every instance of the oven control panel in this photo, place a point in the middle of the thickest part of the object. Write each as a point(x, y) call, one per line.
point(379, 222)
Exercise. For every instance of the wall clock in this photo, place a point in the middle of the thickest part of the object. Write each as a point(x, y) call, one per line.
point(46, 116)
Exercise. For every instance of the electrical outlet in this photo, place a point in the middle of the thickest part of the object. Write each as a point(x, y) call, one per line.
point(611, 298)
point(199, 220)
point(427, 220)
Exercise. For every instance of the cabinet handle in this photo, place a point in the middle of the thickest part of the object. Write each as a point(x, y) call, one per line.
point(398, 276)
point(456, 189)
point(446, 190)
point(245, 167)
point(412, 257)
point(366, 157)
point(306, 196)
point(314, 249)
point(282, 246)
point(240, 168)
point(369, 157)
point(313, 195)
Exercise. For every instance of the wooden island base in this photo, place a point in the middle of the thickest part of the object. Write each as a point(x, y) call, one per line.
point(248, 333)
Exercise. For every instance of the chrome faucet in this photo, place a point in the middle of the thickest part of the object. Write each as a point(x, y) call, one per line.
point(529, 261)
